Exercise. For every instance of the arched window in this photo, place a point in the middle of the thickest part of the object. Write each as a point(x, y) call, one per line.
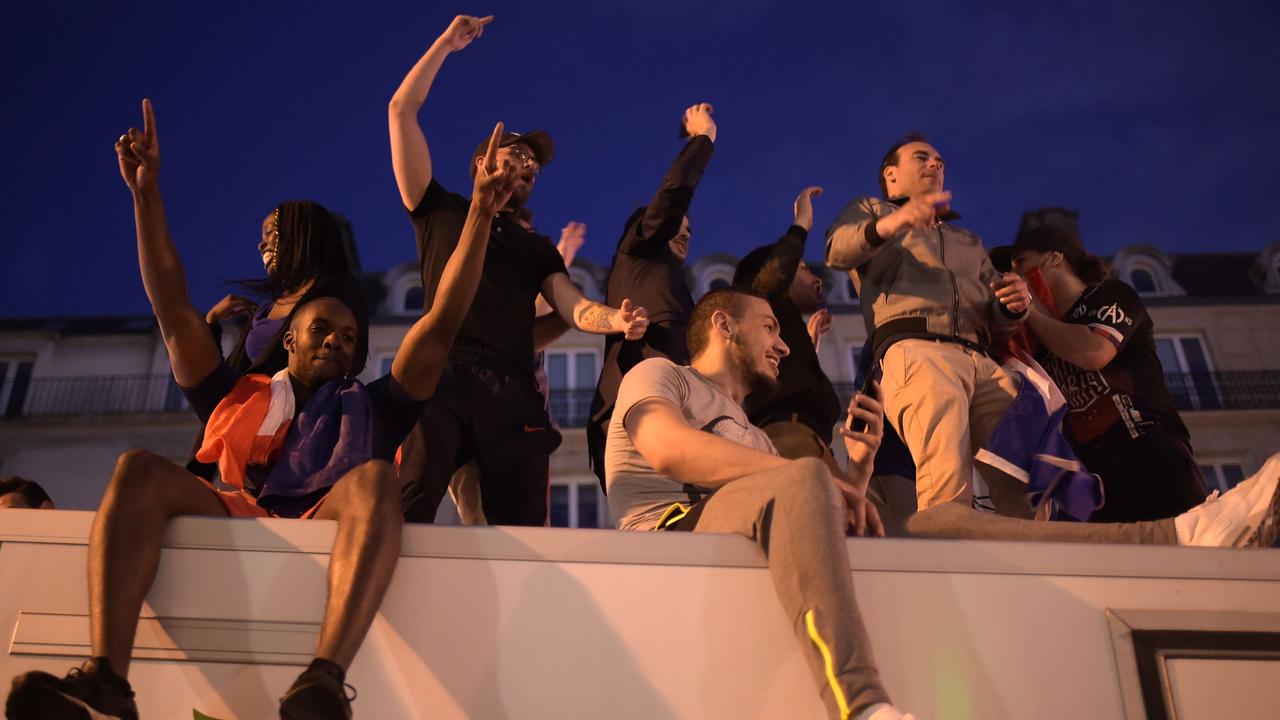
point(413, 298)
point(718, 283)
point(1142, 281)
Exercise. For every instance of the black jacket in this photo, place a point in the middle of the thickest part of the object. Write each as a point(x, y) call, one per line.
point(646, 271)
point(803, 388)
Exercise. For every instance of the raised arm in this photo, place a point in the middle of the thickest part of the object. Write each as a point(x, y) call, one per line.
point(426, 346)
point(590, 316)
point(662, 217)
point(863, 228)
point(192, 352)
point(410, 156)
point(779, 269)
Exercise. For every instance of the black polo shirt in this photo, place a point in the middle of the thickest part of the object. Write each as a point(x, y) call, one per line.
point(515, 265)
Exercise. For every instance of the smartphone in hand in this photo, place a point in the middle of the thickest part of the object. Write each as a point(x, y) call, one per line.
point(855, 424)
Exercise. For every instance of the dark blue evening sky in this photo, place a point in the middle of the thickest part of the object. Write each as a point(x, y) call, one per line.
point(1156, 120)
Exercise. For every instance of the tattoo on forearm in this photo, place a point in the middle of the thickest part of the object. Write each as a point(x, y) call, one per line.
point(596, 317)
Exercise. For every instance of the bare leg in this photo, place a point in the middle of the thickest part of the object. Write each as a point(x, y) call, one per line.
point(366, 504)
point(124, 547)
point(464, 488)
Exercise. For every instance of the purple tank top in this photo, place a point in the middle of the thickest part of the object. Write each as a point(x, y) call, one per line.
point(262, 331)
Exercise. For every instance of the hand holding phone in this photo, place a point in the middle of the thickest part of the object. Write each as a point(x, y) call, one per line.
point(870, 387)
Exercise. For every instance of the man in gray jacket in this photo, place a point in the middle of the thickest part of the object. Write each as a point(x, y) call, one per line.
point(932, 302)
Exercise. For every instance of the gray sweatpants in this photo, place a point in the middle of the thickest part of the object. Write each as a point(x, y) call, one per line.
point(796, 515)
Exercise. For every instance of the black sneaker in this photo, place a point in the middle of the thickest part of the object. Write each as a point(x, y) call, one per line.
point(317, 695)
point(88, 692)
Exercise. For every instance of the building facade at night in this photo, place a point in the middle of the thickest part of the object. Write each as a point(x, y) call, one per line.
point(75, 393)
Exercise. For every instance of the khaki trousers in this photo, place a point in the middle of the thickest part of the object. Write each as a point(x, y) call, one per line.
point(944, 400)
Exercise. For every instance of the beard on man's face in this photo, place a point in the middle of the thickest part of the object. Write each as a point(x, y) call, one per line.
point(757, 373)
point(520, 196)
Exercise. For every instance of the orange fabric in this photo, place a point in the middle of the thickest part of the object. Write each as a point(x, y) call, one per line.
point(234, 425)
point(239, 503)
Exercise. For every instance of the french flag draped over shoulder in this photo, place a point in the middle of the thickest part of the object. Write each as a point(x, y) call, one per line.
point(305, 450)
point(1028, 444)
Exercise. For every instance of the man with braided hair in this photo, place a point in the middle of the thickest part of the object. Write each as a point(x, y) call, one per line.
point(309, 441)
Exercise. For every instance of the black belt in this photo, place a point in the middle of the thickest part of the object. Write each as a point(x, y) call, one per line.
point(914, 328)
point(476, 354)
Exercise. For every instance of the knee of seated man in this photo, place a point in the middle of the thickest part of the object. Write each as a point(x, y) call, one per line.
point(136, 469)
point(374, 484)
point(809, 484)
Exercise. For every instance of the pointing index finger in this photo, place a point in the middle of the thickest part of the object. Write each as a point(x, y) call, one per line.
point(148, 119)
point(491, 154)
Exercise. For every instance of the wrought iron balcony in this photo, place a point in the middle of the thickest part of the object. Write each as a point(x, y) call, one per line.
point(571, 408)
point(128, 394)
point(93, 395)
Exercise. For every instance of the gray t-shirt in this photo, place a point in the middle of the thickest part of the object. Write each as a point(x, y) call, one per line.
point(638, 494)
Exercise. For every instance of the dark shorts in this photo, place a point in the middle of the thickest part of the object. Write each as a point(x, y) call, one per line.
point(496, 419)
point(1148, 478)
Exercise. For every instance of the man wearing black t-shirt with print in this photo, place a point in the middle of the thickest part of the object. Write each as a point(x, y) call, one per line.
point(1097, 342)
point(488, 407)
point(649, 266)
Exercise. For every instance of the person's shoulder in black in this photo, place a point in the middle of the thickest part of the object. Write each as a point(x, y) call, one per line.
point(770, 269)
point(1112, 309)
point(435, 198)
point(437, 222)
point(205, 395)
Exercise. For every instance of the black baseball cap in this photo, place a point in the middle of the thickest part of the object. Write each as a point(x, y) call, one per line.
point(1043, 238)
point(543, 147)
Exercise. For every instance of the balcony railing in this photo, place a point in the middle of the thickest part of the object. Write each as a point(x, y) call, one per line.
point(571, 408)
point(1238, 390)
point(126, 394)
point(97, 395)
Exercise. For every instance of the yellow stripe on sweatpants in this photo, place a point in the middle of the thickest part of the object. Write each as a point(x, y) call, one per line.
point(672, 516)
point(828, 665)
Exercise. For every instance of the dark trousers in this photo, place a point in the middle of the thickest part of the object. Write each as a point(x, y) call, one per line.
point(1147, 478)
point(496, 419)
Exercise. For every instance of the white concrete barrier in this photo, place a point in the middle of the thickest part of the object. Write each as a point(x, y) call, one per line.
point(545, 623)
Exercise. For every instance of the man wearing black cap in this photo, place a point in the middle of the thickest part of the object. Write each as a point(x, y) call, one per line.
point(932, 303)
point(1098, 343)
point(488, 407)
point(649, 266)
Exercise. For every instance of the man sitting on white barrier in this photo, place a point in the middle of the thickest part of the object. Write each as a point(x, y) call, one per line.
point(330, 459)
point(681, 455)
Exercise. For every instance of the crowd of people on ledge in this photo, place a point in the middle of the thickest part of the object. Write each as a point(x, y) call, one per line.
point(1012, 394)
